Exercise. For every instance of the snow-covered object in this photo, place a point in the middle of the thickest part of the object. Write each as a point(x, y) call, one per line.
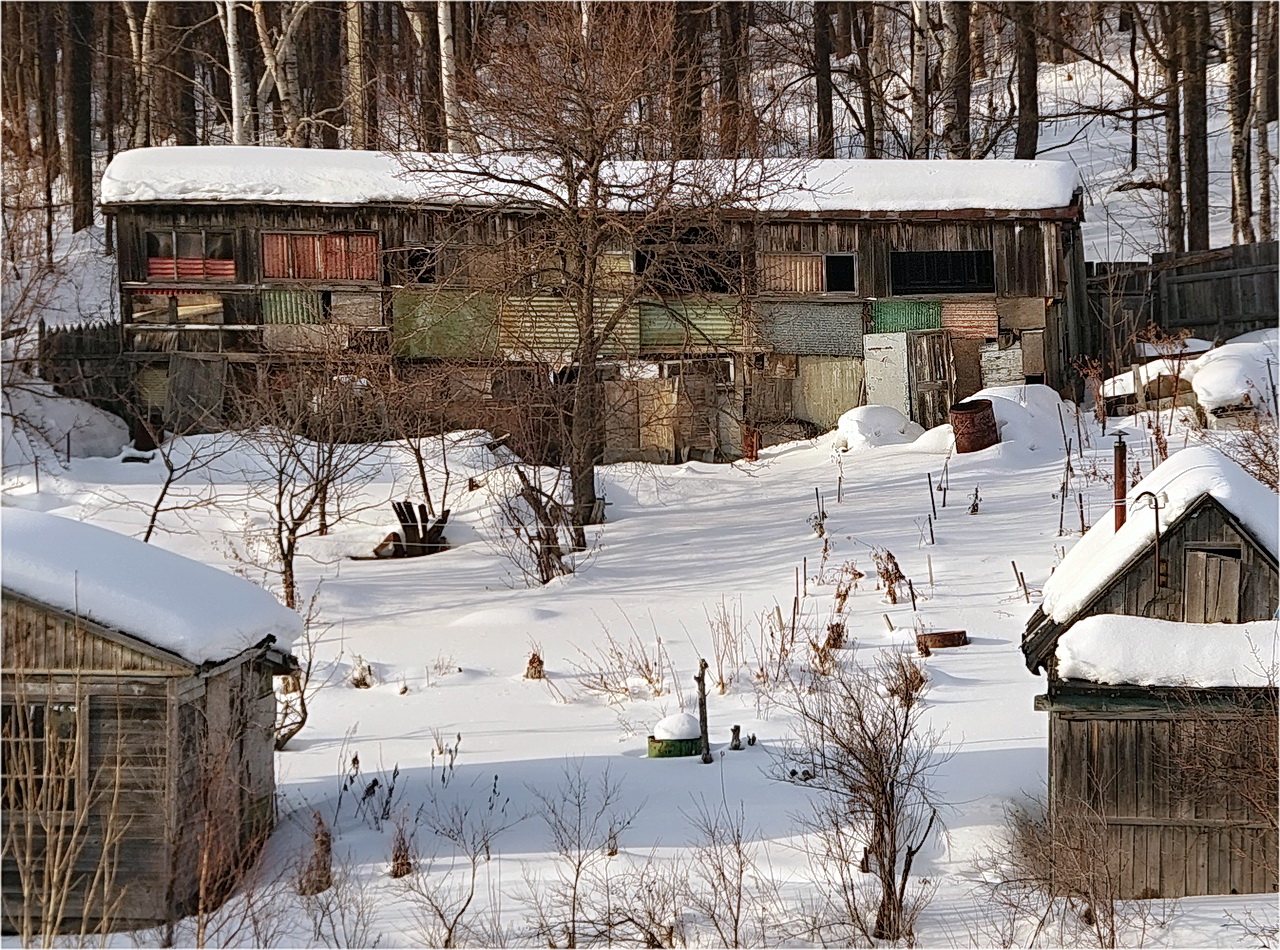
point(198, 612)
point(352, 176)
point(37, 422)
point(1122, 383)
point(866, 427)
point(1027, 415)
point(1237, 373)
point(1140, 651)
point(679, 726)
point(1182, 479)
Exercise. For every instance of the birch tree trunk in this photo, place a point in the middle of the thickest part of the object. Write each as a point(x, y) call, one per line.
point(1262, 92)
point(238, 82)
point(280, 54)
point(449, 77)
point(958, 79)
point(357, 107)
point(919, 143)
point(1239, 98)
point(879, 70)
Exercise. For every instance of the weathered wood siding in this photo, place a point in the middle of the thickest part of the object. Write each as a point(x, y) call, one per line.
point(1160, 842)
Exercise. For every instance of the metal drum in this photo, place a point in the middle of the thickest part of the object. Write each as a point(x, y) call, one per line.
point(974, 422)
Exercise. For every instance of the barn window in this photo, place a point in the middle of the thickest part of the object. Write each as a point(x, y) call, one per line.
point(942, 272)
point(38, 746)
point(694, 262)
point(841, 273)
point(190, 255)
point(328, 257)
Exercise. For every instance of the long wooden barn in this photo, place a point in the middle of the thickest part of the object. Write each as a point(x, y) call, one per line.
point(138, 728)
point(912, 284)
point(1159, 645)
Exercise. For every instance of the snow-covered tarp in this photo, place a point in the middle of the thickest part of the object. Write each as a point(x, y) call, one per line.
point(1242, 372)
point(1178, 482)
point(196, 611)
point(867, 427)
point(1140, 651)
point(350, 176)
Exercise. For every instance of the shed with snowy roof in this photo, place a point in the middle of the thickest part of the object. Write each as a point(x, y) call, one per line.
point(1160, 642)
point(138, 727)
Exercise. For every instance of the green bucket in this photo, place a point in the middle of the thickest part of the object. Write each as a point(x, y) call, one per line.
point(674, 748)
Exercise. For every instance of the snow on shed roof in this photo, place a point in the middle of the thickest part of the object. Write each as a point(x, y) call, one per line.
point(349, 176)
point(1140, 651)
point(1183, 477)
point(196, 611)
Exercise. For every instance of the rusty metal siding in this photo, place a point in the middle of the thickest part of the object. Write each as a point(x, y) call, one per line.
point(292, 306)
point(896, 316)
point(684, 325)
point(444, 323)
point(972, 319)
point(812, 329)
point(791, 273)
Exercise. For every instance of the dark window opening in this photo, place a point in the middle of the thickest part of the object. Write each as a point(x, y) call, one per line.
point(38, 756)
point(941, 272)
point(190, 255)
point(695, 262)
point(841, 273)
point(416, 265)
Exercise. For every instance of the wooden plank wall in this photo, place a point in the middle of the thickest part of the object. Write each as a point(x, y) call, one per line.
point(1160, 843)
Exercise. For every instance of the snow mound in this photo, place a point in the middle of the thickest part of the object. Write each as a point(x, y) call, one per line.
point(869, 426)
point(1182, 478)
point(506, 617)
point(1028, 415)
point(679, 726)
point(1140, 651)
point(37, 422)
point(198, 612)
point(939, 440)
point(1242, 372)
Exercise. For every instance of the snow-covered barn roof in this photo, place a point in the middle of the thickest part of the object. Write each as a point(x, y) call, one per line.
point(1140, 651)
point(353, 177)
point(193, 610)
point(1184, 478)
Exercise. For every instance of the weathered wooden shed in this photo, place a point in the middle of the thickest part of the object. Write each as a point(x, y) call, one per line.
point(962, 272)
point(138, 728)
point(1160, 652)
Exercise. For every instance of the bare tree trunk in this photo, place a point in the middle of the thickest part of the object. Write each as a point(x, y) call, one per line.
point(423, 22)
point(1266, 34)
point(1053, 30)
point(826, 141)
point(357, 112)
point(686, 106)
point(842, 42)
point(1027, 142)
point(919, 143)
point(732, 59)
point(1175, 219)
point(77, 96)
point(1239, 98)
point(280, 56)
point(958, 77)
point(1195, 18)
point(238, 81)
point(879, 70)
point(184, 75)
point(978, 42)
point(449, 77)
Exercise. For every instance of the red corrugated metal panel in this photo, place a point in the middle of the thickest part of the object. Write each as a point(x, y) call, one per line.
point(161, 267)
point(363, 257)
point(306, 256)
point(191, 268)
point(975, 319)
point(220, 269)
point(335, 256)
point(275, 255)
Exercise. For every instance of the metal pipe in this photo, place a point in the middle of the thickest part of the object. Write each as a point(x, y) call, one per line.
point(1155, 508)
point(1120, 479)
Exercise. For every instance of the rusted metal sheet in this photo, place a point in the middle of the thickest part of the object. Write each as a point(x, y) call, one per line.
point(444, 323)
point(682, 325)
point(292, 306)
point(791, 273)
point(971, 319)
point(275, 255)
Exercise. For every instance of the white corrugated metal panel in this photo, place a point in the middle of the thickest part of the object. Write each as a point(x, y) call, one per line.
point(791, 273)
point(885, 359)
point(546, 327)
point(976, 319)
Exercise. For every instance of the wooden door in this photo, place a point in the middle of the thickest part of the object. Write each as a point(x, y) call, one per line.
point(932, 377)
point(1213, 587)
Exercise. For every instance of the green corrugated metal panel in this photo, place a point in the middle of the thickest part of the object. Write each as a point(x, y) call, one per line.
point(896, 316)
point(546, 327)
point(689, 324)
point(292, 306)
point(444, 323)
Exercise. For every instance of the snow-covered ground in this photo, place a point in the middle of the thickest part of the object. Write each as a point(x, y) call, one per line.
point(446, 640)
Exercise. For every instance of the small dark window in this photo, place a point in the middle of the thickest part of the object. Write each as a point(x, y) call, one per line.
point(942, 272)
point(842, 273)
point(695, 262)
point(38, 756)
point(190, 255)
point(417, 265)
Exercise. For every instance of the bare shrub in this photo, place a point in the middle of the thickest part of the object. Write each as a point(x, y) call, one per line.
point(726, 885)
point(361, 673)
point(535, 669)
point(401, 847)
point(613, 671)
point(342, 914)
point(872, 759)
point(889, 572)
point(317, 876)
point(727, 636)
point(905, 680)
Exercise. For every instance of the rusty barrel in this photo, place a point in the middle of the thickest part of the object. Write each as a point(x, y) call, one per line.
point(974, 423)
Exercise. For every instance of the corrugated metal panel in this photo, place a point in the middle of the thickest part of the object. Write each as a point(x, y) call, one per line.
point(444, 323)
point(975, 319)
point(684, 324)
point(896, 316)
point(791, 273)
point(356, 309)
point(812, 329)
point(152, 384)
point(275, 255)
point(292, 306)
point(546, 327)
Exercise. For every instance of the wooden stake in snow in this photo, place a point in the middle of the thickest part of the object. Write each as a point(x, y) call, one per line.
point(911, 589)
point(839, 489)
point(887, 622)
point(931, 540)
point(701, 680)
point(932, 504)
point(805, 574)
point(928, 559)
point(1020, 581)
point(1079, 436)
point(1080, 505)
